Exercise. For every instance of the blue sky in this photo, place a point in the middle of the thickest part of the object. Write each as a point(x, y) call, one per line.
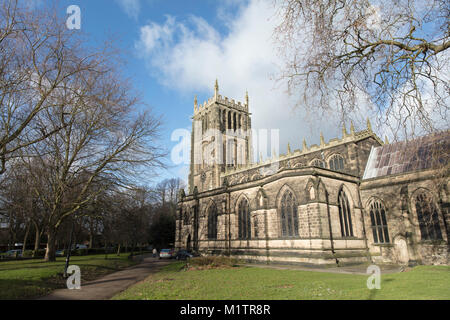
point(176, 49)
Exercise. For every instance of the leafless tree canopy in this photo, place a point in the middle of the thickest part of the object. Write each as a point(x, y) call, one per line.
point(388, 59)
point(71, 124)
point(41, 62)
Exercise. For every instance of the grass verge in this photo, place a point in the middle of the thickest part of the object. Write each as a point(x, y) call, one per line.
point(28, 279)
point(245, 283)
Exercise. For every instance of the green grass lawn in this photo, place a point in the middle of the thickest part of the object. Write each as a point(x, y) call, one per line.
point(172, 282)
point(27, 279)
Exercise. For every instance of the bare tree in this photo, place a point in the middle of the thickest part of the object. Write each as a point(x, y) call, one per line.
point(389, 59)
point(39, 57)
point(102, 138)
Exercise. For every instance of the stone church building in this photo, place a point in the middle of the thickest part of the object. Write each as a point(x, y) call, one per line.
point(353, 199)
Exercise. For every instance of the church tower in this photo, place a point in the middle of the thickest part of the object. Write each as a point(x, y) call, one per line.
point(220, 139)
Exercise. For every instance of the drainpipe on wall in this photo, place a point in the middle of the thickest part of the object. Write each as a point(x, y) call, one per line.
point(229, 223)
point(363, 223)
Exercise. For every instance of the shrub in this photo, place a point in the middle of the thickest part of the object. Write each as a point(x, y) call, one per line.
point(27, 254)
point(81, 252)
point(39, 253)
point(209, 262)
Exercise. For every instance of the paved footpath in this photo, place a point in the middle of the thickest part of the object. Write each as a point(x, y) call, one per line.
point(111, 284)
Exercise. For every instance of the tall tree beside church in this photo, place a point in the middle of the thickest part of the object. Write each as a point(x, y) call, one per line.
point(343, 55)
point(39, 57)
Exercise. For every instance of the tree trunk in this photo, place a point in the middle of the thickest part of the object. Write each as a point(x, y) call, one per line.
point(90, 240)
point(106, 251)
point(25, 238)
point(37, 240)
point(50, 252)
point(118, 250)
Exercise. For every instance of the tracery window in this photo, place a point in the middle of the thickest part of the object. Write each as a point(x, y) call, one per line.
point(289, 215)
point(427, 214)
point(336, 162)
point(187, 217)
point(345, 216)
point(378, 222)
point(318, 163)
point(212, 222)
point(244, 222)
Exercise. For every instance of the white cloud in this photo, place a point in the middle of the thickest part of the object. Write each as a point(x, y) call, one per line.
point(189, 55)
point(131, 7)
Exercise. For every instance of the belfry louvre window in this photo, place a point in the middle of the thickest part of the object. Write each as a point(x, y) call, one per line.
point(336, 162)
point(187, 217)
point(427, 215)
point(289, 216)
point(244, 221)
point(378, 222)
point(345, 217)
point(212, 222)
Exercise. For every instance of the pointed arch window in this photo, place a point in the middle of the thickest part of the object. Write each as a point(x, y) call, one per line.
point(318, 163)
point(378, 222)
point(427, 214)
point(212, 222)
point(336, 162)
point(244, 222)
point(345, 216)
point(187, 217)
point(289, 215)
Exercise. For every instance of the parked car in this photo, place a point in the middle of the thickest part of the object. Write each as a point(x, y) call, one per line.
point(13, 253)
point(166, 253)
point(183, 255)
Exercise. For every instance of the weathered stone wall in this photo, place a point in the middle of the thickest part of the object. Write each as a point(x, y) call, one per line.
point(397, 193)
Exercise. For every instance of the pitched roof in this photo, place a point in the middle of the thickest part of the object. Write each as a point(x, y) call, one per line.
point(427, 152)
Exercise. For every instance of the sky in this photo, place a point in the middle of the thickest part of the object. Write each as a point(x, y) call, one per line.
point(175, 50)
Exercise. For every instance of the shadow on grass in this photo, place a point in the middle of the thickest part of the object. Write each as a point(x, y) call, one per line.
point(16, 289)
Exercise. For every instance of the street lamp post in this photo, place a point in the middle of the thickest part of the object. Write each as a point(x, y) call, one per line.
point(69, 250)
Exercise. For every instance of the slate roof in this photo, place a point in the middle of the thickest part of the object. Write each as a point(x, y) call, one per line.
point(426, 152)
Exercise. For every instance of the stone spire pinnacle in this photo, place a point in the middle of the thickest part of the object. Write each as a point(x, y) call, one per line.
point(386, 141)
point(322, 140)
point(216, 89)
point(246, 98)
point(352, 128)
point(195, 103)
point(369, 126)
point(288, 148)
point(260, 157)
point(305, 147)
point(344, 131)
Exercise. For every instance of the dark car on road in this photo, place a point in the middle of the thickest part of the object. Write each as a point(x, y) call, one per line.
point(183, 255)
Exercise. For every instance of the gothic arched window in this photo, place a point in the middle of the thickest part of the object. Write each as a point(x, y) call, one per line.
point(318, 163)
point(289, 216)
point(244, 223)
point(378, 222)
point(345, 216)
point(212, 222)
point(224, 119)
point(187, 217)
point(427, 214)
point(229, 120)
point(336, 162)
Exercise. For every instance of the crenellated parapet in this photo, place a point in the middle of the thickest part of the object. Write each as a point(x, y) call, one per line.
point(221, 100)
point(277, 161)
